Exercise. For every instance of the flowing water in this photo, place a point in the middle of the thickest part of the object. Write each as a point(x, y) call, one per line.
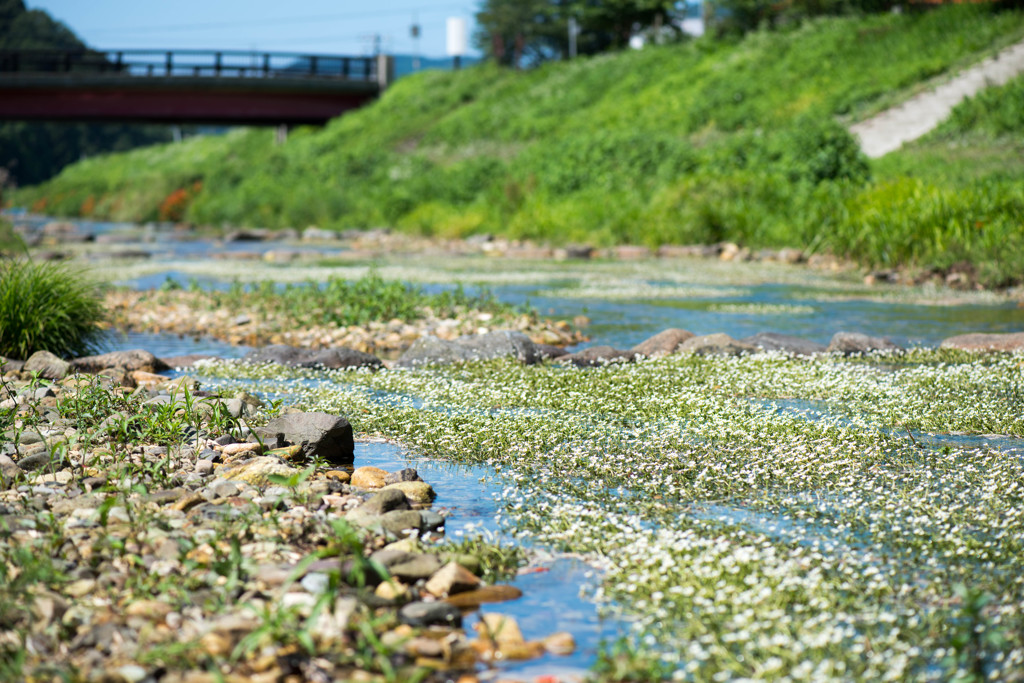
point(624, 307)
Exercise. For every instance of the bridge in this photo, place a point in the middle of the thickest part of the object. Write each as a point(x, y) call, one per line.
point(186, 86)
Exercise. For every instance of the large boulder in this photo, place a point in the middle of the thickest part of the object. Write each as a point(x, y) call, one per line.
point(795, 346)
point(308, 358)
point(719, 344)
point(664, 343)
point(1010, 341)
point(46, 365)
point(319, 435)
point(502, 344)
point(430, 350)
point(130, 361)
point(595, 356)
point(855, 343)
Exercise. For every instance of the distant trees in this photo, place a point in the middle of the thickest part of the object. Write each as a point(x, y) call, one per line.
point(526, 32)
point(33, 151)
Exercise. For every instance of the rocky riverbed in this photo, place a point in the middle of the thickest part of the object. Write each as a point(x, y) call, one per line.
point(192, 314)
point(152, 531)
point(156, 532)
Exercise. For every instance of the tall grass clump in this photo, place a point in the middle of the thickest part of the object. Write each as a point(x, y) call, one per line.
point(47, 307)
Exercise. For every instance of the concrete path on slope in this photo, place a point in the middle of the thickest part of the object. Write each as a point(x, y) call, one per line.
point(887, 131)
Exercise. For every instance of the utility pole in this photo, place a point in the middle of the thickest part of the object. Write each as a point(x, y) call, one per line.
point(414, 31)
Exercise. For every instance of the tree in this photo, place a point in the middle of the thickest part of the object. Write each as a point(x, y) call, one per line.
point(31, 151)
point(527, 32)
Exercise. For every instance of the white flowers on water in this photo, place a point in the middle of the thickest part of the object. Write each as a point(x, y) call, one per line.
point(758, 517)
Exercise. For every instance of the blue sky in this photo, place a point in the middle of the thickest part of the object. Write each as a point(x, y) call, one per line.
point(315, 26)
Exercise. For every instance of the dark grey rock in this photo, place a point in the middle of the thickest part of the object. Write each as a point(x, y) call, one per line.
point(385, 501)
point(420, 614)
point(501, 344)
point(38, 461)
point(210, 454)
point(408, 566)
point(548, 351)
point(408, 474)
point(796, 346)
point(854, 343)
point(715, 345)
point(248, 235)
point(400, 521)
point(309, 358)
point(431, 350)
point(46, 365)
point(579, 251)
point(31, 436)
point(598, 355)
point(130, 361)
point(320, 435)
point(43, 392)
point(432, 521)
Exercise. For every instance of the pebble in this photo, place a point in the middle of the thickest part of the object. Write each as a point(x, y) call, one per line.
point(451, 579)
point(417, 492)
point(430, 614)
point(172, 526)
point(224, 488)
point(369, 477)
point(203, 468)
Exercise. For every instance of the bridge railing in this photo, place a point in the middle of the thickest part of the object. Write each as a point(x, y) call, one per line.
point(188, 63)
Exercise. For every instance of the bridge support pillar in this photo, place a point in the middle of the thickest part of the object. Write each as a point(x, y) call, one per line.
point(281, 134)
point(385, 71)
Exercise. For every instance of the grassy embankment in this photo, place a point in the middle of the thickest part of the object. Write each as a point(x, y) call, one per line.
point(697, 142)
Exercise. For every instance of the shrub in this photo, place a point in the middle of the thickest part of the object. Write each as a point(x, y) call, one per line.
point(47, 306)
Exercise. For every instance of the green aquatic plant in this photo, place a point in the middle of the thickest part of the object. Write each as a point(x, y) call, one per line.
point(756, 517)
point(341, 302)
point(47, 307)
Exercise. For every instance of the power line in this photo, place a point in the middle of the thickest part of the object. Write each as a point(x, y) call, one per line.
point(268, 21)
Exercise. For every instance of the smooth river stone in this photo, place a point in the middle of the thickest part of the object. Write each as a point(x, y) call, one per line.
point(1012, 341)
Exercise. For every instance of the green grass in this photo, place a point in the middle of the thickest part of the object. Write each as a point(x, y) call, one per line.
point(47, 307)
point(340, 302)
point(694, 142)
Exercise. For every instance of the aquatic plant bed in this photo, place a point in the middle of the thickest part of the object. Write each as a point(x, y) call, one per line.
point(877, 536)
point(368, 314)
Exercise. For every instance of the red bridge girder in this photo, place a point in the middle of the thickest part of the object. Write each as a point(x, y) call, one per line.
point(181, 99)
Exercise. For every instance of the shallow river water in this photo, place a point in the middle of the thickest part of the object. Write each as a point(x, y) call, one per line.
point(626, 303)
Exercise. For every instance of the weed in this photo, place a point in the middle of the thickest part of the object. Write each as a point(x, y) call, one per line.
point(47, 307)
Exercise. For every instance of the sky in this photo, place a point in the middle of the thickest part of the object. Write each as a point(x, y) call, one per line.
point(310, 26)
